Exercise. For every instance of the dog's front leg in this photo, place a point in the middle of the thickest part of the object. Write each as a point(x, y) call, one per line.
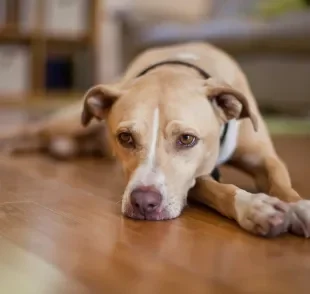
point(259, 214)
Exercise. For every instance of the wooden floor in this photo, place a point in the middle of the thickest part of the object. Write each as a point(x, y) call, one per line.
point(61, 231)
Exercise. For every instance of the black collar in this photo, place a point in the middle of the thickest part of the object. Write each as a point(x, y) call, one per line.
point(215, 173)
point(204, 74)
point(223, 136)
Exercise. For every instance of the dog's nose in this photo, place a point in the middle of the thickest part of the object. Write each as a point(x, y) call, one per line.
point(145, 200)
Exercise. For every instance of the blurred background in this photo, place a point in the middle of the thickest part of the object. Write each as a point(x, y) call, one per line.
point(51, 51)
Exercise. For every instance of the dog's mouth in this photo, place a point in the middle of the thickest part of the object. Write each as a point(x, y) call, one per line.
point(159, 215)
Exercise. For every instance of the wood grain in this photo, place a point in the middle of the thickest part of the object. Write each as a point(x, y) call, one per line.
point(61, 231)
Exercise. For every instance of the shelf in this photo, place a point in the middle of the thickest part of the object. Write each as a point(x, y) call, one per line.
point(8, 37)
point(14, 36)
point(25, 29)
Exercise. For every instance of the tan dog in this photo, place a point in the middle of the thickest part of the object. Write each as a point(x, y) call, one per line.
point(165, 120)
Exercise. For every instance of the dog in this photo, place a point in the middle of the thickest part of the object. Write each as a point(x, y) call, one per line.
point(178, 113)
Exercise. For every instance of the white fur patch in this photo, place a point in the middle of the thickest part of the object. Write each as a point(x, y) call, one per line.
point(230, 142)
point(188, 55)
point(146, 174)
point(63, 146)
point(154, 137)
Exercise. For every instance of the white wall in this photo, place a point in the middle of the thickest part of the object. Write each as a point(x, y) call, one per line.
point(109, 40)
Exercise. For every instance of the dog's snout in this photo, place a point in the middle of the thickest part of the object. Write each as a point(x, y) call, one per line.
point(145, 200)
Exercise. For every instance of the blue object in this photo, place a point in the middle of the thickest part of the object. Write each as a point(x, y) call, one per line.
point(59, 73)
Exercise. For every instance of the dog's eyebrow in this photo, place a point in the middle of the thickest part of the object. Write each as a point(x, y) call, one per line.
point(176, 127)
point(132, 126)
point(129, 124)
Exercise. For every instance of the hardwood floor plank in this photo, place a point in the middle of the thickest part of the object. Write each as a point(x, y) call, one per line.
point(24, 272)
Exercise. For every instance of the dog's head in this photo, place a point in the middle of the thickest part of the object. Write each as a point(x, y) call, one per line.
point(165, 130)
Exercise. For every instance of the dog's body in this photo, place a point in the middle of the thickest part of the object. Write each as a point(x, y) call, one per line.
point(165, 120)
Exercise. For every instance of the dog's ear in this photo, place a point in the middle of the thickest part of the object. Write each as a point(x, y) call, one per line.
point(97, 102)
point(230, 103)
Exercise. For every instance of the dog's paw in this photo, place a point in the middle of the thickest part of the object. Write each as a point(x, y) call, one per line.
point(261, 214)
point(17, 145)
point(300, 218)
point(19, 139)
point(8, 146)
point(11, 139)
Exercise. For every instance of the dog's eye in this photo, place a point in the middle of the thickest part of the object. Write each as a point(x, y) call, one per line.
point(187, 140)
point(126, 140)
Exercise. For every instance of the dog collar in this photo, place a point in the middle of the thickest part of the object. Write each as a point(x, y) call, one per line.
point(215, 173)
point(224, 133)
point(204, 74)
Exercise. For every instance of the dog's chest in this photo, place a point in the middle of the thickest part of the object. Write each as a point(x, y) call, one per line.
point(229, 142)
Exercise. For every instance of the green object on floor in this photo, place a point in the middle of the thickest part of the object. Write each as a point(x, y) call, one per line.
point(288, 126)
point(272, 8)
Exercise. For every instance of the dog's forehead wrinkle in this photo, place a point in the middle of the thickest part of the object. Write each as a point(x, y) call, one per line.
point(190, 110)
